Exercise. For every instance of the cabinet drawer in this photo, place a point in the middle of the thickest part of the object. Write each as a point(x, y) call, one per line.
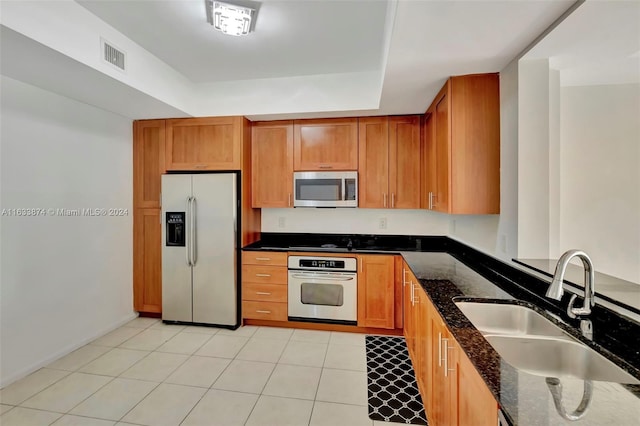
point(264, 310)
point(264, 274)
point(264, 258)
point(264, 292)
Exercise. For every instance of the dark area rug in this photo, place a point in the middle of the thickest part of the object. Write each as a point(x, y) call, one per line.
point(393, 394)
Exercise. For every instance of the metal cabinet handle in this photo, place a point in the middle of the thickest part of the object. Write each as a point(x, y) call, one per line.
point(263, 259)
point(431, 203)
point(263, 312)
point(404, 277)
point(263, 275)
point(439, 349)
point(322, 166)
point(263, 293)
point(384, 200)
point(393, 200)
point(200, 166)
point(289, 200)
point(446, 358)
point(413, 298)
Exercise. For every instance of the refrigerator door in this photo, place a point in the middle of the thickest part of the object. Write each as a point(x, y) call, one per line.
point(176, 272)
point(214, 254)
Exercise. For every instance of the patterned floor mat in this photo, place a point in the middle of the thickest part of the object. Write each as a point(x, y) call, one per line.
point(392, 388)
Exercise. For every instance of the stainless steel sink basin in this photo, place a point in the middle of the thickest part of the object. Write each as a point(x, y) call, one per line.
point(492, 318)
point(531, 343)
point(551, 357)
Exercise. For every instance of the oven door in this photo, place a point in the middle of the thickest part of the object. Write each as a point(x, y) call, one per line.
point(323, 296)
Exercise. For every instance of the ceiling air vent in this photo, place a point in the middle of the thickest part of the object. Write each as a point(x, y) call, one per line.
point(112, 55)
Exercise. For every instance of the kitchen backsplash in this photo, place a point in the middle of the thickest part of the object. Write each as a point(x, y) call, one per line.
point(355, 221)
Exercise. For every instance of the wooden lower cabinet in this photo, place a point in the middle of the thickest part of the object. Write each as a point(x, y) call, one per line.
point(376, 291)
point(264, 286)
point(453, 392)
point(147, 261)
point(476, 405)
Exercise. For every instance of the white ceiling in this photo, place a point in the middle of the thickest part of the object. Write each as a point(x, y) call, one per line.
point(599, 43)
point(343, 58)
point(290, 38)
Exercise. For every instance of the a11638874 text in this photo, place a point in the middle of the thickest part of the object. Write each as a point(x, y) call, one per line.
point(64, 212)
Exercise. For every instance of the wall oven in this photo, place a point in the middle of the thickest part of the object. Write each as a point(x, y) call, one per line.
point(325, 189)
point(323, 289)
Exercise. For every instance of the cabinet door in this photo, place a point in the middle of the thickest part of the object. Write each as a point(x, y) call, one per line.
point(474, 107)
point(422, 343)
point(376, 291)
point(429, 161)
point(404, 162)
point(147, 261)
point(328, 144)
point(272, 164)
point(476, 404)
point(148, 162)
point(409, 319)
point(442, 142)
point(373, 163)
point(212, 143)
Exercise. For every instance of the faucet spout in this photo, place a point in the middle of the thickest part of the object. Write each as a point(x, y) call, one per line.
point(555, 290)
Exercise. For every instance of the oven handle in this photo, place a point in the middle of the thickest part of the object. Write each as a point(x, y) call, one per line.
point(320, 277)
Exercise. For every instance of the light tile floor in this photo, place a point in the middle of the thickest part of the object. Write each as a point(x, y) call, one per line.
point(150, 373)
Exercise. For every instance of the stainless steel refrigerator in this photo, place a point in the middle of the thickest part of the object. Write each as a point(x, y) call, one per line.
point(199, 249)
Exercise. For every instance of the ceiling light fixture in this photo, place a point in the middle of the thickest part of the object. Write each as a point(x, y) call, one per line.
point(229, 18)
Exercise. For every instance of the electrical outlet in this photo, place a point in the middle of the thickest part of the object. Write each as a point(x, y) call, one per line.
point(382, 224)
point(281, 222)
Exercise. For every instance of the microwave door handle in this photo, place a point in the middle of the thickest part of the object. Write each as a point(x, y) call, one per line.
point(344, 187)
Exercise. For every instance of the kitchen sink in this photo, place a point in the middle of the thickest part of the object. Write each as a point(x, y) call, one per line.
point(552, 357)
point(492, 318)
point(532, 343)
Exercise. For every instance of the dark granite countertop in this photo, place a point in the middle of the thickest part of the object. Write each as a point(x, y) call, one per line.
point(524, 398)
point(448, 269)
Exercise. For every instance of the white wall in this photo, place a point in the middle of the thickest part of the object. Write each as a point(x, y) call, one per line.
point(600, 176)
point(533, 158)
point(64, 280)
point(356, 221)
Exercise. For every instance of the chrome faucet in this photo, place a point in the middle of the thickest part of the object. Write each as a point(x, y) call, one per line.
point(555, 289)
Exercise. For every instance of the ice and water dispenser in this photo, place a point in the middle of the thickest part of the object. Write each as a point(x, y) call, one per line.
point(176, 229)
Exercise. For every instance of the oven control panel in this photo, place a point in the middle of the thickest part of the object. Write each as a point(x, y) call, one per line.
point(316, 263)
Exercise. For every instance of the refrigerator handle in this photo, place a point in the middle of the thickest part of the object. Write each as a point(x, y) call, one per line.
point(187, 237)
point(194, 232)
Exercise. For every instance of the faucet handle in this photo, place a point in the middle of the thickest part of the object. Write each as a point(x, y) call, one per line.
point(576, 312)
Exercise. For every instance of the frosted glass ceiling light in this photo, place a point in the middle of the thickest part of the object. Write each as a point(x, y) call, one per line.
point(230, 19)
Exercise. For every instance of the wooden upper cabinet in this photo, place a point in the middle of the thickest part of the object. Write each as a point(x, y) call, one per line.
point(389, 162)
point(373, 162)
point(325, 144)
point(465, 116)
point(404, 160)
point(376, 277)
point(148, 162)
point(210, 143)
point(272, 164)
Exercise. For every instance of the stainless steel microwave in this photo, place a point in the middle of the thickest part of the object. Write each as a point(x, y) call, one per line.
point(325, 189)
